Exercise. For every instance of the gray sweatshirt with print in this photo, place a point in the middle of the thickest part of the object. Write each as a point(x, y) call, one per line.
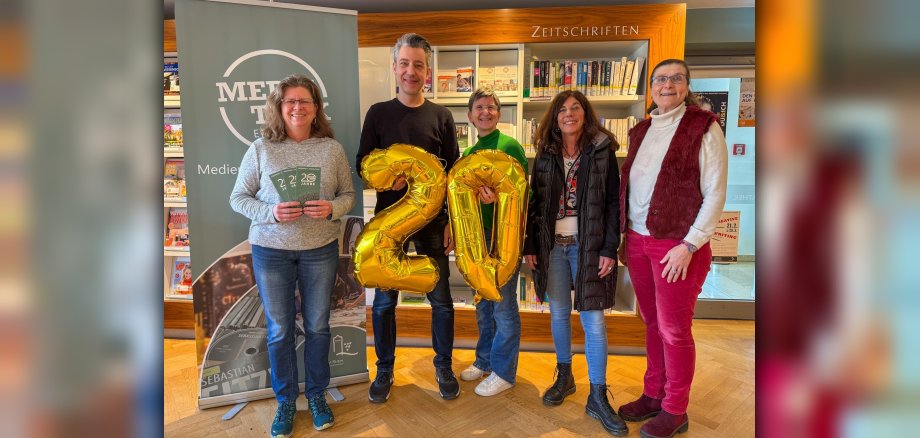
point(254, 195)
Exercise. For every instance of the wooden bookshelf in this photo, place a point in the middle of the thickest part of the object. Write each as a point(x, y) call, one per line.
point(623, 330)
point(663, 27)
point(655, 32)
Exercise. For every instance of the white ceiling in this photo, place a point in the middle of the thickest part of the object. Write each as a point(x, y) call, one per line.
point(369, 6)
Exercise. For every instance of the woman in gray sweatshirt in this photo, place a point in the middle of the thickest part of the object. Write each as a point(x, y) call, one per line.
point(294, 183)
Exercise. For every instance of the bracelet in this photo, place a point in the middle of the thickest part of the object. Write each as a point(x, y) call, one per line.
point(690, 247)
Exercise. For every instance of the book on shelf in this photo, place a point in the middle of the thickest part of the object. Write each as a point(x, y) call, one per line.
point(552, 73)
point(465, 79)
point(508, 129)
point(174, 178)
point(567, 80)
point(594, 78)
point(176, 235)
point(487, 77)
point(627, 79)
point(172, 130)
point(463, 135)
point(528, 136)
point(170, 78)
point(410, 299)
point(620, 129)
point(181, 283)
point(535, 79)
point(505, 78)
point(621, 75)
point(636, 74)
point(447, 81)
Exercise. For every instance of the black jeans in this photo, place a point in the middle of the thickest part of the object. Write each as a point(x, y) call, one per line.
point(428, 241)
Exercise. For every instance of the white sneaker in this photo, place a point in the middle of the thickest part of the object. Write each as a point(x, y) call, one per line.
point(492, 385)
point(471, 373)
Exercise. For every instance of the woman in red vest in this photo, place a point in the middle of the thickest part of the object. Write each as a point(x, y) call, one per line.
point(672, 192)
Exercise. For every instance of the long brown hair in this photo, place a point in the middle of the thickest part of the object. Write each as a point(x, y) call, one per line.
point(549, 137)
point(273, 129)
point(691, 98)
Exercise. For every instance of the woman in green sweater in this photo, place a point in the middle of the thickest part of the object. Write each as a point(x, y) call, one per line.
point(499, 322)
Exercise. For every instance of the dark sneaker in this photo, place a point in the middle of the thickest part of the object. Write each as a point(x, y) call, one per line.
point(379, 391)
point(322, 415)
point(447, 383)
point(284, 419)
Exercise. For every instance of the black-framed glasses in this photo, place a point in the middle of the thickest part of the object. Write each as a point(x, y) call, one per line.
point(675, 79)
point(292, 102)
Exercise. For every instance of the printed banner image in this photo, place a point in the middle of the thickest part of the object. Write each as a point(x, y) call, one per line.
point(232, 55)
point(715, 101)
point(236, 360)
point(747, 104)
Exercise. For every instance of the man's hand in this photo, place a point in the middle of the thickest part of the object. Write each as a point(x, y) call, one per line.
point(448, 241)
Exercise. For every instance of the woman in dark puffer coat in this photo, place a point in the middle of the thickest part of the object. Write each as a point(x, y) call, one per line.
point(572, 238)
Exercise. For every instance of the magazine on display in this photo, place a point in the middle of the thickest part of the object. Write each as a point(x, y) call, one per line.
point(181, 277)
point(177, 229)
point(174, 178)
point(464, 79)
point(172, 130)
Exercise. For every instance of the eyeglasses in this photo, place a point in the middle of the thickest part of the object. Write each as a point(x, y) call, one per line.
point(292, 102)
point(490, 108)
point(675, 79)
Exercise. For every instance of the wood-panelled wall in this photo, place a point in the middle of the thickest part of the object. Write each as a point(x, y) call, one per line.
point(663, 25)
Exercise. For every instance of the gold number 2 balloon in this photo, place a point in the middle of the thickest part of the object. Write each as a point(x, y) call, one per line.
point(487, 272)
point(380, 260)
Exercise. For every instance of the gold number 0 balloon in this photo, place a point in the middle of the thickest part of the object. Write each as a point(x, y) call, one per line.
point(487, 272)
point(380, 260)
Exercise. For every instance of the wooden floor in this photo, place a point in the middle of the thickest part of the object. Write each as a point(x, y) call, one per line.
point(721, 400)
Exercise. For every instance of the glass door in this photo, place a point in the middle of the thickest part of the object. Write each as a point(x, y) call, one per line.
point(729, 290)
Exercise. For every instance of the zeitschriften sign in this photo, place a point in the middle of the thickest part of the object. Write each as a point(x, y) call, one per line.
point(582, 31)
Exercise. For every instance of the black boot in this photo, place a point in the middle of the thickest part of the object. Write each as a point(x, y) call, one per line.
point(598, 407)
point(562, 388)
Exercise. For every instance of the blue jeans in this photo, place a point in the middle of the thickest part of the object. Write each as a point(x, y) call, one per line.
point(277, 273)
point(499, 330)
point(563, 267)
point(428, 241)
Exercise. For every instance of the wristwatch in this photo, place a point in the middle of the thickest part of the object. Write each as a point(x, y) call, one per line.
point(690, 247)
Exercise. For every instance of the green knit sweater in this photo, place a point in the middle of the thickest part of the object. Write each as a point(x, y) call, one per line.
point(497, 141)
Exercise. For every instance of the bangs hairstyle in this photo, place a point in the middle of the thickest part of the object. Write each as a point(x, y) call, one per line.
point(273, 129)
point(415, 41)
point(549, 137)
point(691, 98)
point(481, 92)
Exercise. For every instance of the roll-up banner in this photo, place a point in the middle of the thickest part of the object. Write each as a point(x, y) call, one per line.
point(231, 54)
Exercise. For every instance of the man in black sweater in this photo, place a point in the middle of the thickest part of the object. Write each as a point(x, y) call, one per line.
point(411, 119)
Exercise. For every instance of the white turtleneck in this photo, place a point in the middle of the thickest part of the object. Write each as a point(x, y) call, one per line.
point(647, 165)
